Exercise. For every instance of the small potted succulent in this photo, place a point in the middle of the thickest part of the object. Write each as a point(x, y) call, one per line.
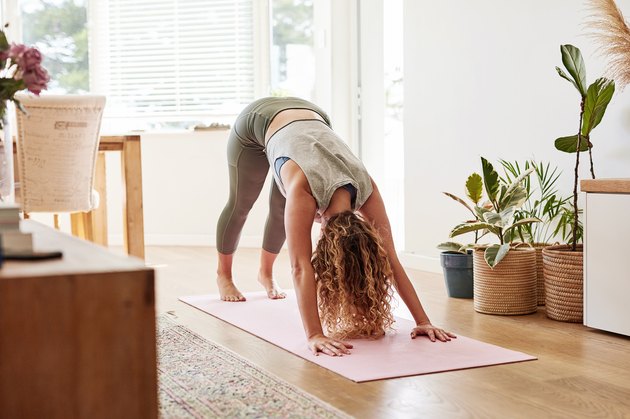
point(504, 272)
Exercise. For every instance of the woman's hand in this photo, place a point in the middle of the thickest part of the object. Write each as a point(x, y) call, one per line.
point(432, 333)
point(329, 346)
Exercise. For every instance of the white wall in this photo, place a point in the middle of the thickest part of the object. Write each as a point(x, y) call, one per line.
point(185, 186)
point(480, 81)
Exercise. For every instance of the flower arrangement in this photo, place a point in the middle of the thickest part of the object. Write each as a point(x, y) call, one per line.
point(20, 68)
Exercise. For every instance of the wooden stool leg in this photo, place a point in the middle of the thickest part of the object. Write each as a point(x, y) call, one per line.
point(99, 215)
point(88, 225)
point(76, 224)
point(82, 225)
point(56, 221)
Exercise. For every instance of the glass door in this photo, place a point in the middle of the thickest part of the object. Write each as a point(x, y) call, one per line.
point(381, 103)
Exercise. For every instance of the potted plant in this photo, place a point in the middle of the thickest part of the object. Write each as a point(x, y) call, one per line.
point(456, 258)
point(562, 264)
point(543, 202)
point(505, 274)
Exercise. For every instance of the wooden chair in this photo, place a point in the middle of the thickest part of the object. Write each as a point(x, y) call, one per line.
point(57, 148)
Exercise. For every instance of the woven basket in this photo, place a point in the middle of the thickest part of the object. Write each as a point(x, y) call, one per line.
point(540, 277)
point(509, 288)
point(564, 283)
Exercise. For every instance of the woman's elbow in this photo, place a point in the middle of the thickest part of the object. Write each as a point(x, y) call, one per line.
point(301, 270)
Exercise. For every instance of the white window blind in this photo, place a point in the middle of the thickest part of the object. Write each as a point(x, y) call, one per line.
point(177, 59)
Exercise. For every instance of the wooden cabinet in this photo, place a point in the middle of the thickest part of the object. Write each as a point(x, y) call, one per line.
point(607, 254)
point(77, 334)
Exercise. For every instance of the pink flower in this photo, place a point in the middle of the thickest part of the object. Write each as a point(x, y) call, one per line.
point(16, 51)
point(25, 57)
point(36, 79)
point(31, 58)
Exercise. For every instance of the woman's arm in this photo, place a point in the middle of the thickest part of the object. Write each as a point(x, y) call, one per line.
point(374, 211)
point(299, 214)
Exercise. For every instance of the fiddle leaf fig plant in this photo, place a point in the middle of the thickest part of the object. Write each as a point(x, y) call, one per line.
point(497, 215)
point(593, 104)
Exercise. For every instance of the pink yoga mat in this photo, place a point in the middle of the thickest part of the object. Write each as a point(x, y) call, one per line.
point(395, 355)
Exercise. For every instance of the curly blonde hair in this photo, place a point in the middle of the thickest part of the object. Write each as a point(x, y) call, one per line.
point(354, 291)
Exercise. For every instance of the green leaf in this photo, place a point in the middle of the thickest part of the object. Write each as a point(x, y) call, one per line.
point(461, 201)
point(452, 247)
point(511, 236)
point(564, 76)
point(521, 222)
point(490, 179)
point(515, 194)
point(574, 63)
point(509, 168)
point(19, 106)
point(474, 187)
point(492, 217)
point(480, 211)
point(598, 97)
point(519, 179)
point(468, 227)
point(495, 254)
point(506, 216)
point(4, 44)
point(515, 198)
point(569, 144)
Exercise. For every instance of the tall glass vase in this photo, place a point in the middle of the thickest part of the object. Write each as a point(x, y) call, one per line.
point(7, 181)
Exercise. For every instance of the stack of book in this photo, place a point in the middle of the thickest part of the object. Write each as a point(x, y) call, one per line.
point(12, 239)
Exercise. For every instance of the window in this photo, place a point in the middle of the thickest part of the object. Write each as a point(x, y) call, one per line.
point(176, 63)
point(292, 55)
point(58, 29)
point(161, 63)
point(174, 60)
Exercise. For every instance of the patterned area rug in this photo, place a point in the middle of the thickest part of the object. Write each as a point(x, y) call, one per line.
point(199, 379)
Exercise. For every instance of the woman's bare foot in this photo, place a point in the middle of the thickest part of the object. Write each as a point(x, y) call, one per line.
point(228, 290)
point(271, 286)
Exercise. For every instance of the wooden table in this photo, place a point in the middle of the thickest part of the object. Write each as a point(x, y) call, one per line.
point(77, 334)
point(133, 217)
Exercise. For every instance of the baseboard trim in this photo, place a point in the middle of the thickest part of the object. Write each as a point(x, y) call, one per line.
point(408, 259)
point(186, 240)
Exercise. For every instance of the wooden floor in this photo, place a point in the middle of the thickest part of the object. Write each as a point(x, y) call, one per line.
point(580, 373)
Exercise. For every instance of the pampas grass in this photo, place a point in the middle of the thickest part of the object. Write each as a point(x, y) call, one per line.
point(610, 30)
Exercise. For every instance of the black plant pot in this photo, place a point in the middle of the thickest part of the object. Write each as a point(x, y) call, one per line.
point(458, 274)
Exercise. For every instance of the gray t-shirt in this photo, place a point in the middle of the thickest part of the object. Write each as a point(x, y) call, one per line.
point(327, 162)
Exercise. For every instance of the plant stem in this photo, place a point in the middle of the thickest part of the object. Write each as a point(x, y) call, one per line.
point(590, 156)
point(575, 180)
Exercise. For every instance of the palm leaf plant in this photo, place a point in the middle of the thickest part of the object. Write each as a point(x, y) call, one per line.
point(543, 202)
point(594, 100)
point(497, 215)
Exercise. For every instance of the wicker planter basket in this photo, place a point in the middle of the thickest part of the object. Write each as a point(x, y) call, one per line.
point(509, 288)
point(540, 277)
point(564, 279)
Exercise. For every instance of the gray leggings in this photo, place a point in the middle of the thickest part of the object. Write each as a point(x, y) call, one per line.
point(248, 167)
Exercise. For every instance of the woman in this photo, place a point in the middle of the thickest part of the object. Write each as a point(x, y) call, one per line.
point(316, 178)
